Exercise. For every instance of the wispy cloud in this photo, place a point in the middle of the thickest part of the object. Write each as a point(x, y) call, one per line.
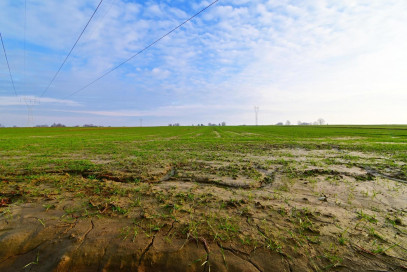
point(295, 59)
point(167, 111)
point(34, 101)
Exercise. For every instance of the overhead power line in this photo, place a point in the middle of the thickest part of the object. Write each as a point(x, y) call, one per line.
point(67, 56)
point(144, 49)
point(8, 65)
point(29, 102)
point(93, 30)
point(25, 41)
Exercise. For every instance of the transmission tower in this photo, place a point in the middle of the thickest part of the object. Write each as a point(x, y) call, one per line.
point(29, 103)
point(256, 113)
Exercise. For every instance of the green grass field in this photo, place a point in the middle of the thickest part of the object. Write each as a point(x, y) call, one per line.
point(308, 198)
point(35, 150)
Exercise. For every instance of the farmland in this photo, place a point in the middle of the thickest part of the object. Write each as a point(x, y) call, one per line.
point(243, 198)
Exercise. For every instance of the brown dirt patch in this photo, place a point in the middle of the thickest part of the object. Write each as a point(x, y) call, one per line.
point(247, 213)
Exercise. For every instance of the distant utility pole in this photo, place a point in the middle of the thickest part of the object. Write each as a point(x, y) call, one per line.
point(256, 112)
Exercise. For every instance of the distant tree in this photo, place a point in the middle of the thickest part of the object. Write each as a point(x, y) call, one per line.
point(57, 125)
point(288, 123)
point(321, 121)
point(223, 124)
point(279, 124)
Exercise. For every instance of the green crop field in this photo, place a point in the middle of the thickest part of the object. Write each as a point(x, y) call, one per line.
point(244, 198)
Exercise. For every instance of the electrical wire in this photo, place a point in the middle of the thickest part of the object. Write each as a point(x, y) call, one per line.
point(25, 32)
point(27, 102)
point(92, 31)
point(144, 49)
point(66, 58)
point(8, 65)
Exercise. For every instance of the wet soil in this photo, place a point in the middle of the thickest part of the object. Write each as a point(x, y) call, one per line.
point(241, 214)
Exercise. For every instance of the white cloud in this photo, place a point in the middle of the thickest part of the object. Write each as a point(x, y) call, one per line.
point(177, 110)
point(296, 59)
point(160, 73)
point(35, 101)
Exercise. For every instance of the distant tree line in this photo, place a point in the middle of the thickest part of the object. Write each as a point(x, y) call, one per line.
point(214, 125)
point(62, 125)
point(201, 125)
point(57, 125)
point(319, 122)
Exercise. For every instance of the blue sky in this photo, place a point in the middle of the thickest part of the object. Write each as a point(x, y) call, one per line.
point(344, 61)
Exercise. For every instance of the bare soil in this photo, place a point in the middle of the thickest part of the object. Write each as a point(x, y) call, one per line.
point(241, 214)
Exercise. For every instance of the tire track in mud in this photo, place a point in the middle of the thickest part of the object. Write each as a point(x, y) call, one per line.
point(221, 184)
point(375, 173)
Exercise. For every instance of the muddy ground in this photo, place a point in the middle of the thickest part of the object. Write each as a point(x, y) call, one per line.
point(282, 210)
